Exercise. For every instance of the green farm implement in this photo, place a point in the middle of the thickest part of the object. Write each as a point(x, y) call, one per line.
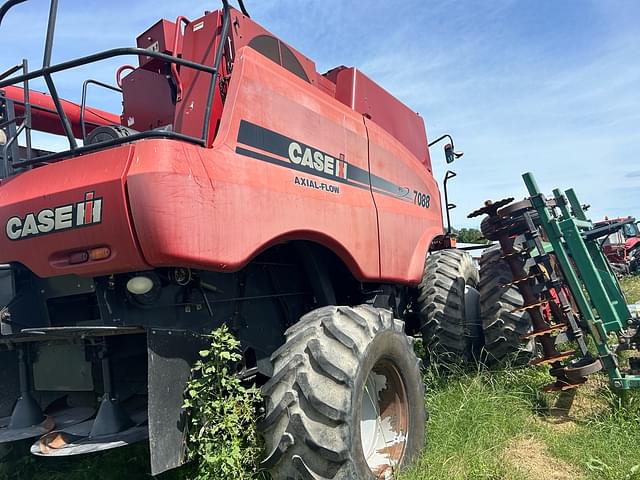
point(569, 290)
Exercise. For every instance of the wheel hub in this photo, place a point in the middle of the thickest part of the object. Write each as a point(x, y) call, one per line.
point(384, 422)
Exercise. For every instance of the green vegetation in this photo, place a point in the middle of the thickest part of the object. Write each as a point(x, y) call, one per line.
point(473, 417)
point(469, 235)
point(484, 425)
point(498, 425)
point(631, 287)
point(223, 439)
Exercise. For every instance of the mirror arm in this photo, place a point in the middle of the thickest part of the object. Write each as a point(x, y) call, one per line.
point(439, 139)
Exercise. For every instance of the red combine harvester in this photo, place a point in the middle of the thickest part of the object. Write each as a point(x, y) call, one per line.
point(622, 245)
point(238, 187)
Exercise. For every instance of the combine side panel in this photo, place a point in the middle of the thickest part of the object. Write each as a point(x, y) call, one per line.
point(405, 192)
point(294, 158)
point(408, 203)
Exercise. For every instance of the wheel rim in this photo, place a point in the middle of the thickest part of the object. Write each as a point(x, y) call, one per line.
point(384, 423)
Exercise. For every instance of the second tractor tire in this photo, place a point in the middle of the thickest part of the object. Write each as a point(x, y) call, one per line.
point(448, 303)
point(503, 323)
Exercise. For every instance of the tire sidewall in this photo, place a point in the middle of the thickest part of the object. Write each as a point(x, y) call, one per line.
point(390, 345)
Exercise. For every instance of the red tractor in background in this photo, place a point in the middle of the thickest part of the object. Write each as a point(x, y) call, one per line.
point(238, 187)
point(622, 245)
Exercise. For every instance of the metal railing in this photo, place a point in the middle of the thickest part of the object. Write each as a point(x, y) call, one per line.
point(25, 125)
point(8, 78)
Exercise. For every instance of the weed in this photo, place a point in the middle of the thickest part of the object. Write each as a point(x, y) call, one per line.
point(223, 440)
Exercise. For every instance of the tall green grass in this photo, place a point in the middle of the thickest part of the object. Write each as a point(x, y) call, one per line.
point(474, 414)
point(606, 443)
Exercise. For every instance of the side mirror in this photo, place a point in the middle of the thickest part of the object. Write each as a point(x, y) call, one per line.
point(450, 155)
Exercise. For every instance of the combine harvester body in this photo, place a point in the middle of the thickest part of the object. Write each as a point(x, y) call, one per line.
point(238, 186)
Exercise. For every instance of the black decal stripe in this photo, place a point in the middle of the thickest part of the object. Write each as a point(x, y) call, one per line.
point(379, 183)
point(256, 136)
point(297, 168)
point(397, 197)
point(357, 174)
point(292, 166)
point(264, 139)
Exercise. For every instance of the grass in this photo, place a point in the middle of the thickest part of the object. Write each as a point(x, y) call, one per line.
point(473, 416)
point(484, 425)
point(631, 287)
point(480, 419)
point(605, 439)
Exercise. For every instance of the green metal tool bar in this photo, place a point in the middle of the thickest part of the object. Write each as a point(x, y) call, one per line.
point(576, 208)
point(611, 285)
point(555, 237)
point(593, 270)
point(578, 212)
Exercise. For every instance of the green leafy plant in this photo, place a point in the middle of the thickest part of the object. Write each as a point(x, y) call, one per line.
point(223, 440)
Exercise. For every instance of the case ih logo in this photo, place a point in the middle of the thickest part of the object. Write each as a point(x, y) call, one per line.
point(317, 160)
point(49, 220)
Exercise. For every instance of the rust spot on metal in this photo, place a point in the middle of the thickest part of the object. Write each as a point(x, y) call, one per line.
point(559, 327)
point(52, 442)
point(557, 358)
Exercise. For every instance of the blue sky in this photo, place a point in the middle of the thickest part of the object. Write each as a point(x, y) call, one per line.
point(551, 86)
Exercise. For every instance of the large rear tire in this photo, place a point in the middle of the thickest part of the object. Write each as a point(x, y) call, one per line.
point(448, 304)
point(346, 400)
point(502, 323)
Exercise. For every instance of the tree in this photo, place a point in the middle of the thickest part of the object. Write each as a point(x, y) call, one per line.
point(470, 235)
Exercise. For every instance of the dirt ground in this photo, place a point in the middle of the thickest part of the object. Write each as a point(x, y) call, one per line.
point(529, 457)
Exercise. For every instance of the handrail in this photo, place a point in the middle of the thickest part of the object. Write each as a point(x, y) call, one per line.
point(226, 21)
point(46, 62)
point(48, 70)
point(8, 5)
point(7, 146)
point(10, 121)
point(119, 73)
point(83, 102)
point(176, 40)
point(96, 57)
point(448, 206)
point(27, 108)
point(111, 143)
point(11, 71)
